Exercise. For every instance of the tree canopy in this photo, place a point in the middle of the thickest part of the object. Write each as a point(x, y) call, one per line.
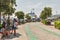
point(20, 14)
point(47, 12)
point(7, 6)
point(27, 16)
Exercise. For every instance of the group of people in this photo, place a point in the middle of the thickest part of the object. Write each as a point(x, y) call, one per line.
point(9, 26)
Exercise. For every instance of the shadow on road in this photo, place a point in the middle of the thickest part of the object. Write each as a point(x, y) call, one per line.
point(12, 36)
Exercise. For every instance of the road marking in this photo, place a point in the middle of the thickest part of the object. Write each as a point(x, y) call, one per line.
point(30, 34)
point(54, 33)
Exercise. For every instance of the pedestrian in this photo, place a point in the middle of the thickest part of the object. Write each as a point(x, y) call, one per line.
point(11, 24)
point(15, 23)
point(3, 27)
point(8, 28)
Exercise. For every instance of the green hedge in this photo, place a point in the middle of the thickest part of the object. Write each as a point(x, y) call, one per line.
point(44, 22)
point(57, 24)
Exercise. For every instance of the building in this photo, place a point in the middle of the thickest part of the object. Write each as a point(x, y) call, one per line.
point(54, 17)
point(32, 14)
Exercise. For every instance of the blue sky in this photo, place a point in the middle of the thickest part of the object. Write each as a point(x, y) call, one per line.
point(27, 5)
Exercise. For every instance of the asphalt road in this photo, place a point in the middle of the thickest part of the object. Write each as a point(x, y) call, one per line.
point(42, 33)
point(35, 31)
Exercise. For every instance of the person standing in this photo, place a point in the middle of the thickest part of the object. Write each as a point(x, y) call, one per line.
point(11, 25)
point(3, 26)
point(8, 28)
point(15, 23)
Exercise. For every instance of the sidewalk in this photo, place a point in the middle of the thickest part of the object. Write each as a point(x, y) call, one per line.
point(21, 31)
point(43, 33)
point(21, 35)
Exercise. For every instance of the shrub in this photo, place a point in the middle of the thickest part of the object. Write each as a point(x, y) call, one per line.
point(44, 22)
point(57, 24)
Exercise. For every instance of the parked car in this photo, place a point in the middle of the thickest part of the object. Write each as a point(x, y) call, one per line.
point(38, 19)
point(33, 19)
